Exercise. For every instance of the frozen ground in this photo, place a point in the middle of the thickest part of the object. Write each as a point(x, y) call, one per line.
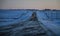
point(53, 25)
point(11, 23)
point(28, 28)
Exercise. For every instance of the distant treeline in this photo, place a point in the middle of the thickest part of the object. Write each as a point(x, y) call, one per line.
point(31, 9)
point(50, 10)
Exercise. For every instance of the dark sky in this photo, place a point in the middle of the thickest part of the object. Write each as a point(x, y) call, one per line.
point(31, 4)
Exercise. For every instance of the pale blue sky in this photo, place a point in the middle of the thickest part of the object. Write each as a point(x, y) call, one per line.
point(31, 4)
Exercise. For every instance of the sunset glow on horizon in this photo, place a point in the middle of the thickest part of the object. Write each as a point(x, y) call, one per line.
point(31, 4)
